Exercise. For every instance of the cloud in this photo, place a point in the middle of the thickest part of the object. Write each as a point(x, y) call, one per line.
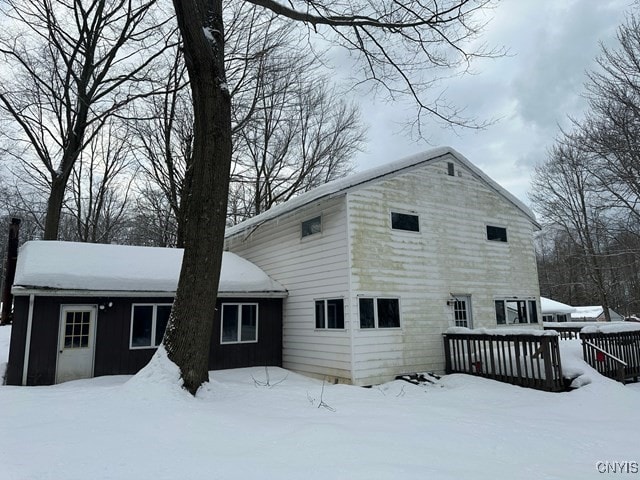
point(530, 92)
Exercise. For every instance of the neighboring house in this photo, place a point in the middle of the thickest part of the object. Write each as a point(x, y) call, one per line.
point(379, 264)
point(553, 311)
point(84, 310)
point(594, 314)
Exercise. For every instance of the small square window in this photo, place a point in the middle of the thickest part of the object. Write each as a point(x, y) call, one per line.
point(496, 234)
point(405, 221)
point(148, 323)
point(330, 313)
point(239, 323)
point(451, 169)
point(311, 226)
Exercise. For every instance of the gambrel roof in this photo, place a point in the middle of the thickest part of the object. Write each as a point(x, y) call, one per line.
point(361, 179)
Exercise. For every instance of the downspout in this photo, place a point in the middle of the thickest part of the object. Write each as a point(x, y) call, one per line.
point(9, 271)
point(27, 342)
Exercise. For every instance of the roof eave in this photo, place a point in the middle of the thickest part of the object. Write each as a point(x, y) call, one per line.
point(19, 290)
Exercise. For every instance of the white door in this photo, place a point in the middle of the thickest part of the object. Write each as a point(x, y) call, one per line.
point(76, 342)
point(462, 311)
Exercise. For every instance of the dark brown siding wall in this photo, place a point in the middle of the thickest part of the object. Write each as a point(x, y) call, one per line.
point(16, 345)
point(112, 353)
point(268, 350)
point(113, 356)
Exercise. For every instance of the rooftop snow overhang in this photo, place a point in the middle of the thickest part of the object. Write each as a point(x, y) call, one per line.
point(60, 268)
point(24, 290)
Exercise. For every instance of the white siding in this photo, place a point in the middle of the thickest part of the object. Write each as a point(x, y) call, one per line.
point(449, 255)
point(315, 267)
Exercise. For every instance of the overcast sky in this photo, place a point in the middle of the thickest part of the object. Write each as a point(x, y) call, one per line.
point(551, 44)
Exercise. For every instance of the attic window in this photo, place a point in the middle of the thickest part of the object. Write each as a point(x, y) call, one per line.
point(405, 221)
point(311, 226)
point(451, 169)
point(496, 234)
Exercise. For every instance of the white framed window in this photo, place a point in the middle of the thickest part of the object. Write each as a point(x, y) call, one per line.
point(239, 323)
point(462, 311)
point(379, 312)
point(148, 323)
point(407, 222)
point(329, 313)
point(496, 234)
point(311, 226)
point(516, 311)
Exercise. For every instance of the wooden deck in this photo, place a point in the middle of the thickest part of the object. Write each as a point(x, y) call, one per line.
point(615, 354)
point(531, 361)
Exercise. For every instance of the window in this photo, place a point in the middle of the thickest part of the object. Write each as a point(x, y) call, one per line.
point(330, 313)
point(76, 329)
point(547, 318)
point(148, 323)
point(379, 313)
point(311, 226)
point(516, 311)
point(450, 169)
point(497, 234)
point(239, 323)
point(461, 313)
point(405, 221)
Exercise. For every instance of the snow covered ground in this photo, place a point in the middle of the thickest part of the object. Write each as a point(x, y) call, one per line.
point(460, 428)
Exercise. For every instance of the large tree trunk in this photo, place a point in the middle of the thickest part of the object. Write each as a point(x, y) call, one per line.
point(54, 208)
point(188, 336)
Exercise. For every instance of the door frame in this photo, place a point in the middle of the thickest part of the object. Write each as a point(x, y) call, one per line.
point(64, 308)
point(465, 297)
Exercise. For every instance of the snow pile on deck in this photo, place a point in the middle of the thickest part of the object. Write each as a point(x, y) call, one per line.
point(97, 267)
point(502, 332)
point(612, 327)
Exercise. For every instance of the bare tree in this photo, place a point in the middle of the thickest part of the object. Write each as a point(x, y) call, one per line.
point(394, 41)
point(164, 136)
point(101, 187)
point(563, 193)
point(302, 135)
point(69, 66)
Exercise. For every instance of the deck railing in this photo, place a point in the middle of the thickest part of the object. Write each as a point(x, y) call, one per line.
point(613, 354)
point(526, 360)
point(565, 332)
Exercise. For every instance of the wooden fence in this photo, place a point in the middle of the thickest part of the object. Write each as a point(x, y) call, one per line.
point(526, 360)
point(615, 354)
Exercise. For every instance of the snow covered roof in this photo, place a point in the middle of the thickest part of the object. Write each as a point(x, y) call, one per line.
point(359, 179)
point(594, 312)
point(551, 306)
point(90, 267)
point(591, 311)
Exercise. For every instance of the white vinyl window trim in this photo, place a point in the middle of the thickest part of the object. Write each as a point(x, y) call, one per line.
point(405, 222)
point(238, 323)
point(153, 343)
point(376, 317)
point(512, 311)
point(311, 227)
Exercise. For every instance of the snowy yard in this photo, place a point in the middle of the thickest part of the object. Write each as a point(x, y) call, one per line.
point(460, 428)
